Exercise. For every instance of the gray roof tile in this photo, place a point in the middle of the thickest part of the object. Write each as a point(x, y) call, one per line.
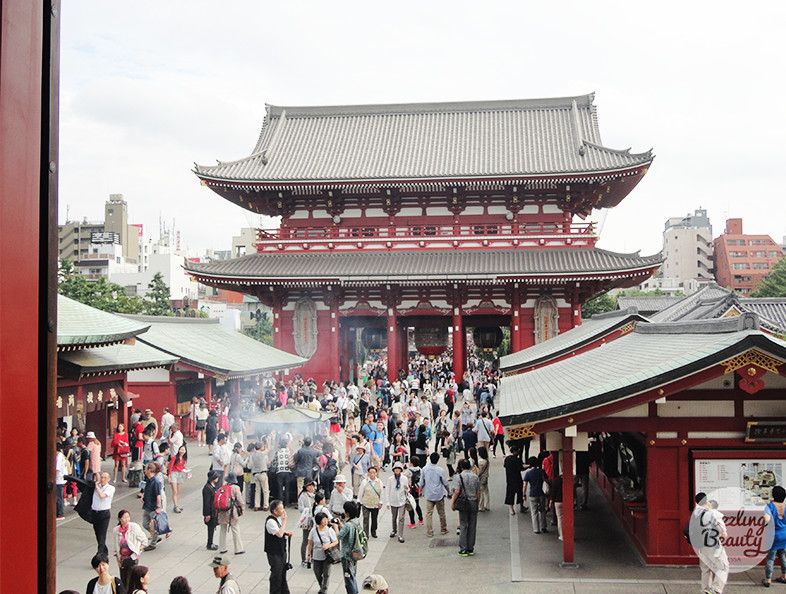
point(427, 141)
point(402, 266)
point(120, 357)
point(80, 325)
point(206, 344)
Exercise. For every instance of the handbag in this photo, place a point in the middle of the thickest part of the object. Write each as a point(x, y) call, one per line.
point(545, 487)
point(462, 502)
point(333, 554)
point(306, 522)
point(410, 505)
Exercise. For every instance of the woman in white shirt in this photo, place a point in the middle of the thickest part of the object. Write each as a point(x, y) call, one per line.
point(398, 489)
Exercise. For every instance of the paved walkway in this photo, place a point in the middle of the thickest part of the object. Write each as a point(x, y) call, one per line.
point(509, 557)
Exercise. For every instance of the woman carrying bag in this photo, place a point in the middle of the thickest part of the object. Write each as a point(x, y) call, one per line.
point(323, 550)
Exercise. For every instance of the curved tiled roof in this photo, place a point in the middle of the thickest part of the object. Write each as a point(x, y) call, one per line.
point(463, 140)
point(79, 325)
point(404, 266)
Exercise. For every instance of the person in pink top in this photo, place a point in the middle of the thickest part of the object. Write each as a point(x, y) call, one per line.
point(94, 447)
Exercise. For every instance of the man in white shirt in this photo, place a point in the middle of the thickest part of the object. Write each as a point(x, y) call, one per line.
point(61, 470)
point(167, 420)
point(485, 429)
point(102, 505)
point(175, 439)
point(221, 455)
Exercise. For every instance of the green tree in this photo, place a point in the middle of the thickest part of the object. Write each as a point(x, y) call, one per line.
point(597, 305)
point(262, 331)
point(100, 293)
point(158, 297)
point(775, 283)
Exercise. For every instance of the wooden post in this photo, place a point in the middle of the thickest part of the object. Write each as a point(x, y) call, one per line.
point(394, 357)
point(568, 532)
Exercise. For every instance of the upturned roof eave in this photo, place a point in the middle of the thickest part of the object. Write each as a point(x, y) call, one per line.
point(203, 173)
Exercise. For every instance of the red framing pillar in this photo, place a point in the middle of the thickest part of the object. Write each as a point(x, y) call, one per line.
point(335, 343)
point(459, 346)
point(394, 356)
point(568, 532)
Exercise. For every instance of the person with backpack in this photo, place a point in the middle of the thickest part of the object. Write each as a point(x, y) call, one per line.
point(328, 468)
point(354, 546)
point(283, 464)
point(305, 460)
point(237, 427)
point(276, 535)
point(228, 502)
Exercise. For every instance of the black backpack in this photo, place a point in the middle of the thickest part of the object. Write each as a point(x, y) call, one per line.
point(330, 472)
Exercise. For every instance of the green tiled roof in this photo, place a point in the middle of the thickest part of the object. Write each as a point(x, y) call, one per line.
point(590, 330)
point(650, 356)
point(114, 358)
point(79, 325)
point(206, 344)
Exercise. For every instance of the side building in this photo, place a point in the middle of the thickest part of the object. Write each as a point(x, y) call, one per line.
point(743, 262)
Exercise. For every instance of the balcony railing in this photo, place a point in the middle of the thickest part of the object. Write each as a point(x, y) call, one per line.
point(419, 236)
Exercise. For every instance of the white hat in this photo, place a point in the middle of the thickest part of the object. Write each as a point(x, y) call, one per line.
point(340, 479)
point(375, 582)
point(90, 435)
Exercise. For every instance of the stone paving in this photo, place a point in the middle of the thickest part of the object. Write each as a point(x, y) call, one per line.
point(508, 556)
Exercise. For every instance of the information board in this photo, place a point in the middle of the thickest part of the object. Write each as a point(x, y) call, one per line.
point(752, 480)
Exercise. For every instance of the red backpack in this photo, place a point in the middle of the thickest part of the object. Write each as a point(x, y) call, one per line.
point(223, 498)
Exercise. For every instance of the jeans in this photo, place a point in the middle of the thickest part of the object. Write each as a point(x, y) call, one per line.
point(443, 524)
point(60, 506)
point(278, 574)
point(468, 523)
point(350, 582)
point(769, 562)
point(100, 527)
point(322, 573)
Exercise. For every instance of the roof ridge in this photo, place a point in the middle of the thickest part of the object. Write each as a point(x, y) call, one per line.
point(430, 107)
point(625, 152)
point(743, 322)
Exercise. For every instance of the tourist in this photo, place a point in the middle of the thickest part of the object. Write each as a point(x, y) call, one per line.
point(61, 470)
point(138, 580)
point(200, 415)
point(129, 542)
point(485, 430)
point(327, 464)
point(177, 475)
point(209, 513)
point(398, 448)
point(713, 561)
point(412, 472)
point(434, 487)
point(398, 489)
point(514, 483)
point(370, 499)
point(348, 537)
point(179, 585)
point(466, 485)
point(211, 430)
point(282, 464)
point(150, 449)
point(121, 448)
point(449, 451)
point(276, 536)
point(152, 502)
point(167, 421)
point(305, 505)
point(483, 477)
point(227, 585)
point(321, 538)
point(228, 519)
point(259, 470)
point(339, 496)
point(775, 512)
point(238, 463)
point(305, 460)
point(94, 448)
point(360, 464)
point(499, 435)
point(175, 439)
point(104, 582)
point(469, 439)
point(534, 479)
point(101, 506)
point(555, 497)
point(221, 455)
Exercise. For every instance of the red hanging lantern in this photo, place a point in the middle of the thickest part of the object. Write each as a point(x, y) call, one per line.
point(431, 341)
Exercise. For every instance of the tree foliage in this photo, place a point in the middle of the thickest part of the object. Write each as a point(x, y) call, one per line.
point(598, 305)
point(775, 284)
point(158, 297)
point(262, 331)
point(107, 296)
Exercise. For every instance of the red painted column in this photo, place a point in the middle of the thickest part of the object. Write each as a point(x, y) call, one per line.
point(515, 326)
point(568, 532)
point(208, 390)
point(394, 356)
point(335, 343)
point(459, 346)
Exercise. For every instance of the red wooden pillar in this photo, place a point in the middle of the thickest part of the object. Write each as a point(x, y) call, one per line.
point(459, 346)
point(394, 345)
point(208, 390)
point(515, 306)
point(335, 343)
point(568, 532)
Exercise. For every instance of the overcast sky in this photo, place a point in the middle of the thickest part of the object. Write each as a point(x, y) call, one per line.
point(148, 88)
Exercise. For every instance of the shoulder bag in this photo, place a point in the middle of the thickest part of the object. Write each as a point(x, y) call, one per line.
point(462, 502)
point(333, 554)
